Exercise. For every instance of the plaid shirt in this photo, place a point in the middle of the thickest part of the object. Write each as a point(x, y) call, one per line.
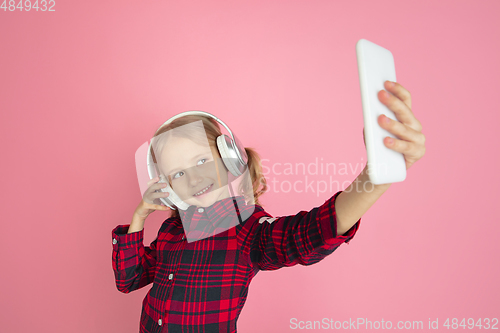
point(202, 286)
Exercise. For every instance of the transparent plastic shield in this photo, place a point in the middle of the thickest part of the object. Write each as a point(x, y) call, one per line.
point(208, 198)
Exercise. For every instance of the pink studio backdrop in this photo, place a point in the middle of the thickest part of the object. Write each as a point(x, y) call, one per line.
point(84, 86)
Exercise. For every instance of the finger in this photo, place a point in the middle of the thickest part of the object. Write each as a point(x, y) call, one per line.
point(401, 130)
point(160, 207)
point(411, 150)
point(154, 180)
point(154, 205)
point(400, 109)
point(399, 91)
point(157, 186)
point(158, 195)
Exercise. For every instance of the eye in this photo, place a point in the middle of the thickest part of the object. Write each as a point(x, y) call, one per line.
point(181, 173)
point(175, 176)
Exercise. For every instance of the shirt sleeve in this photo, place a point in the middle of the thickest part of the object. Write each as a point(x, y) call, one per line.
point(134, 265)
point(304, 238)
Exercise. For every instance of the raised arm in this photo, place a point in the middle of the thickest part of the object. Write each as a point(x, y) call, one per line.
point(134, 265)
point(304, 238)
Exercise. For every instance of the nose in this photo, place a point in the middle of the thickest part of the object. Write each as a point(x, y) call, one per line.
point(194, 176)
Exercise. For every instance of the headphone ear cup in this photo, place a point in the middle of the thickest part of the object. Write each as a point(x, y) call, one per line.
point(229, 157)
point(173, 201)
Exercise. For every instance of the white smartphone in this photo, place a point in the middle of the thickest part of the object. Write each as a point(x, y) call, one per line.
point(375, 66)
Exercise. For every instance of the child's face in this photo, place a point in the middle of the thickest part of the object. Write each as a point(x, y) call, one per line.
point(191, 168)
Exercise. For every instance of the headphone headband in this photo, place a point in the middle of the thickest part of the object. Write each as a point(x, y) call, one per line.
point(203, 113)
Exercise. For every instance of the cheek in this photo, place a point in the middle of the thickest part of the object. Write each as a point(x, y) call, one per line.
point(223, 177)
point(178, 186)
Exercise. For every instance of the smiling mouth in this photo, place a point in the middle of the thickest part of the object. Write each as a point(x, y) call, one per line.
point(203, 191)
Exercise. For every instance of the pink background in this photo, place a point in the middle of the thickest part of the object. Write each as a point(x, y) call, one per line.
point(83, 87)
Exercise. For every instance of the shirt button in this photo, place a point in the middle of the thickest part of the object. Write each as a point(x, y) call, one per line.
point(170, 276)
point(200, 210)
point(159, 321)
point(115, 241)
point(183, 236)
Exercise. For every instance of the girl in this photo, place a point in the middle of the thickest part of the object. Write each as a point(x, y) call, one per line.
point(201, 286)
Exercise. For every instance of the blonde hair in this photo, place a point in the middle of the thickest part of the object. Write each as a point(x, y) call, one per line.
point(252, 191)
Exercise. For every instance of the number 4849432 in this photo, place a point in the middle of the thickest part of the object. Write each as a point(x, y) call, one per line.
point(26, 5)
point(488, 323)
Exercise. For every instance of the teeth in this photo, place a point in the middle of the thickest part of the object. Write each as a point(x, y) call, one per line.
point(203, 191)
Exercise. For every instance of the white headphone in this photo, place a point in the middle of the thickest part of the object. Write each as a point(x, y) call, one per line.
point(230, 149)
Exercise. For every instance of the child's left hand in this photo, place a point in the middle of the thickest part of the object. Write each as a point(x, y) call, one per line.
point(408, 128)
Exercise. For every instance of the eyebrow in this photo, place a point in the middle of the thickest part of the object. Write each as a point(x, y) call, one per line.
point(194, 158)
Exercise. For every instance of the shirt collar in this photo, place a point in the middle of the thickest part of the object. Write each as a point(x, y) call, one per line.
point(218, 213)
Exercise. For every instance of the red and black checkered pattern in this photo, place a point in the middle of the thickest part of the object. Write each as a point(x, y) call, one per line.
point(202, 286)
